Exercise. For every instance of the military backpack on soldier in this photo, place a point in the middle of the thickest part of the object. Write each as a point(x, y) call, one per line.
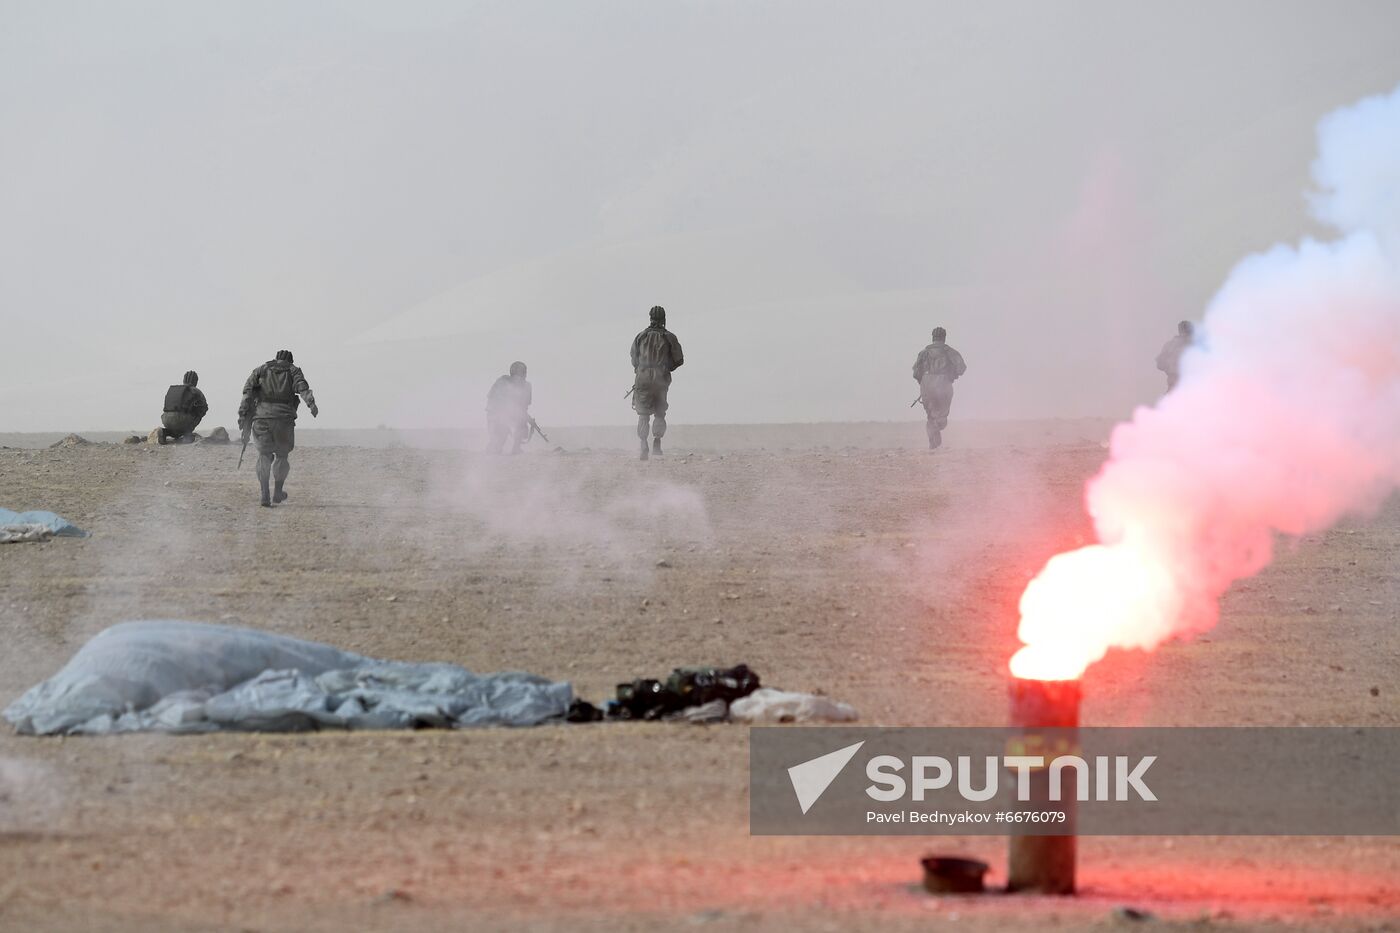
point(179, 399)
point(277, 384)
point(653, 350)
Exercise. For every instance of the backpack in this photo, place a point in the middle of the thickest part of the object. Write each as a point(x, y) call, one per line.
point(939, 361)
point(179, 399)
point(686, 687)
point(653, 350)
point(276, 383)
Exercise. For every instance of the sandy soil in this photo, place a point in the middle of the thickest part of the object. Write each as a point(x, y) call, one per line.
point(887, 578)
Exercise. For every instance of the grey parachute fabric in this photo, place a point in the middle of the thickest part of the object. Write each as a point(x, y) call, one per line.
point(25, 526)
point(169, 676)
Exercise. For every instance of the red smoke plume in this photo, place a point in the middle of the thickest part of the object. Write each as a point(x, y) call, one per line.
point(1287, 417)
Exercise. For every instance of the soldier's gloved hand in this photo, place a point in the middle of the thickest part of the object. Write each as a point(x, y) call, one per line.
point(315, 412)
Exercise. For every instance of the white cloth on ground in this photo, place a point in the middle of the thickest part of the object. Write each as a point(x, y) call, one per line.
point(769, 705)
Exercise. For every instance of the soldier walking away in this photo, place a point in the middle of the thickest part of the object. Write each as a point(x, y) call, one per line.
point(935, 370)
point(656, 353)
point(508, 410)
point(269, 411)
point(185, 407)
point(1169, 360)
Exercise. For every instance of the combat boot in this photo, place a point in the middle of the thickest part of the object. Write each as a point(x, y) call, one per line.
point(278, 495)
point(266, 497)
point(644, 450)
point(656, 446)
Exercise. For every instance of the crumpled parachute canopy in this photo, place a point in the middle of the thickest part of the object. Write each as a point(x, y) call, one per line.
point(168, 676)
point(54, 524)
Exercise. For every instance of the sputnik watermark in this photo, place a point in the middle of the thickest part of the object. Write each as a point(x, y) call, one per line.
point(961, 817)
point(933, 773)
point(928, 773)
point(1089, 781)
point(810, 779)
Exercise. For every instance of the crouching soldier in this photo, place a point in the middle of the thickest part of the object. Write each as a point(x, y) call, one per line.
point(185, 408)
point(269, 412)
point(508, 410)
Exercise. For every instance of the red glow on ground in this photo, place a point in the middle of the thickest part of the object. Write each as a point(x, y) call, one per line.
point(880, 880)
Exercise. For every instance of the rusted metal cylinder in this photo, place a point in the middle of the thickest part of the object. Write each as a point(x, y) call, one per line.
point(1043, 864)
point(1044, 704)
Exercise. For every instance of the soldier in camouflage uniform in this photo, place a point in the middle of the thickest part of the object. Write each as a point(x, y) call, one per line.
point(269, 410)
point(656, 353)
point(1169, 360)
point(508, 410)
point(937, 366)
point(185, 407)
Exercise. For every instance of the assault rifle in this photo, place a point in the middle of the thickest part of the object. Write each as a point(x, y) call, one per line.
point(535, 429)
point(245, 422)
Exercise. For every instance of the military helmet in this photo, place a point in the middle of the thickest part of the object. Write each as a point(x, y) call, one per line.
point(658, 314)
point(284, 356)
point(940, 333)
point(517, 368)
point(192, 378)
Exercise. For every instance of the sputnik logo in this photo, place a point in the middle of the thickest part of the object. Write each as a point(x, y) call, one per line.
point(811, 778)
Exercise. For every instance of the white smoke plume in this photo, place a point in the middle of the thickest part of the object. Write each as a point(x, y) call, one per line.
point(1287, 418)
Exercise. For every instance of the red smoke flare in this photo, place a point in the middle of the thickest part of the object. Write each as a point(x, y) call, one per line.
point(1286, 419)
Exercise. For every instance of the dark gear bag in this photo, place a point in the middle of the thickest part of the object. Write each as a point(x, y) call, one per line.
point(642, 699)
point(654, 350)
point(179, 399)
point(686, 687)
point(696, 686)
point(277, 383)
point(938, 362)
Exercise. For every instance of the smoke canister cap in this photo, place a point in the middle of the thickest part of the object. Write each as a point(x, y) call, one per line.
point(947, 874)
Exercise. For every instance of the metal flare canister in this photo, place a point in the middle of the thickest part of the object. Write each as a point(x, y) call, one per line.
point(1044, 864)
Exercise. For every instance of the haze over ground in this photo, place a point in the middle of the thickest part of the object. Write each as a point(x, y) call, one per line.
point(411, 196)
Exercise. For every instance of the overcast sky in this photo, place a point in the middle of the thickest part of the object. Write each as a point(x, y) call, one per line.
point(412, 195)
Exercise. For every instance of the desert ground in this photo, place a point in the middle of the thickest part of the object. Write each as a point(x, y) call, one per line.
point(834, 558)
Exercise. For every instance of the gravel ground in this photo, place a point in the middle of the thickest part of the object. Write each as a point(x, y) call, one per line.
point(886, 578)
